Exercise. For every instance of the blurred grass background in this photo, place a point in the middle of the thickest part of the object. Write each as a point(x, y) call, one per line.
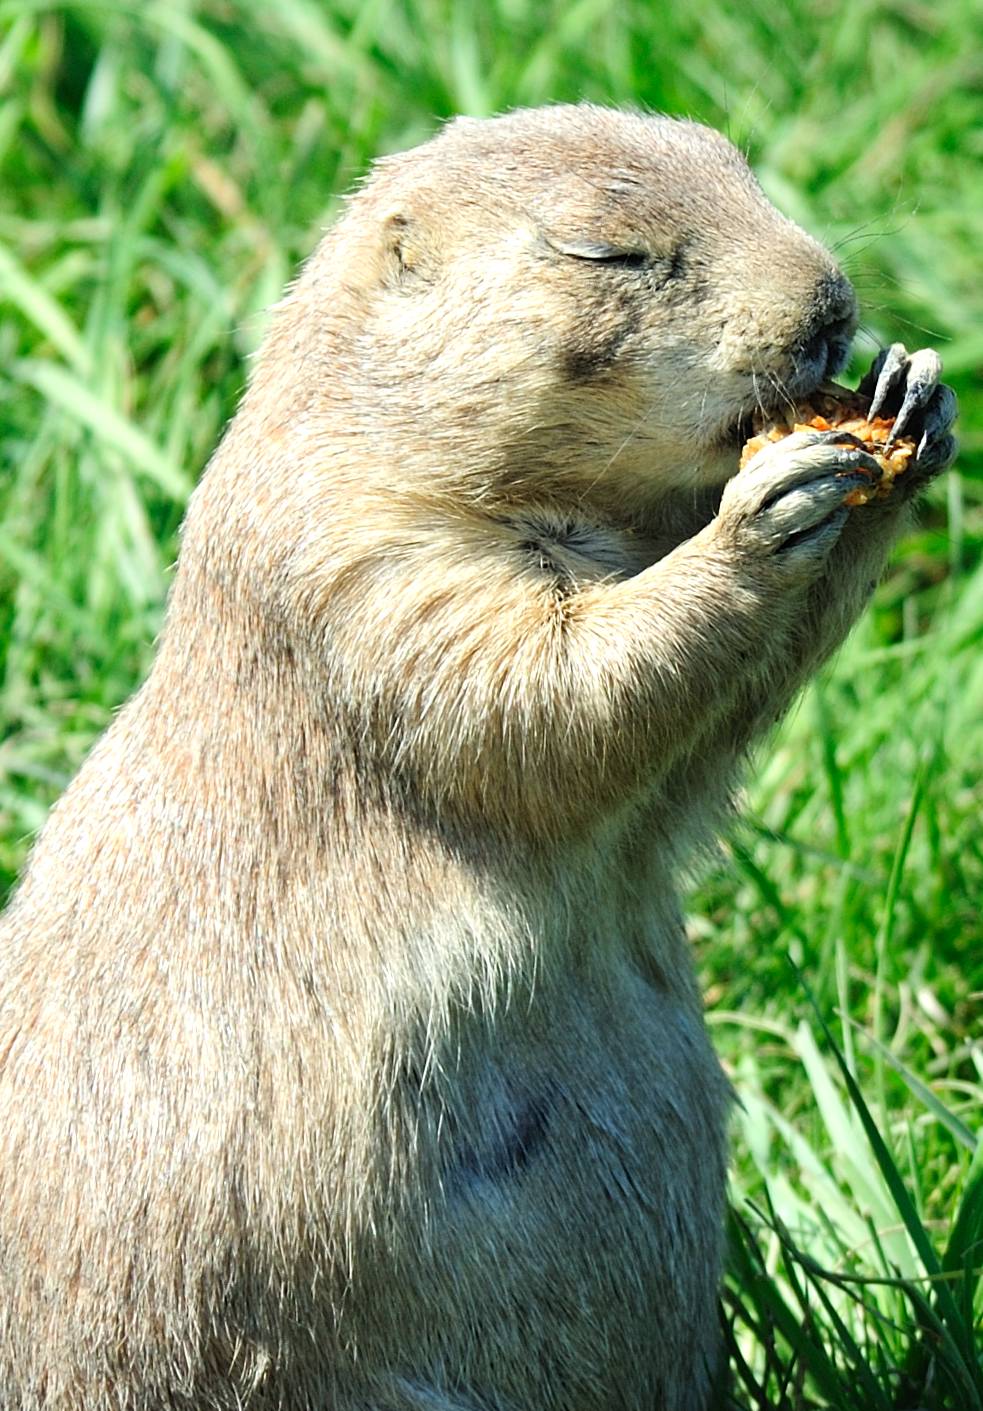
point(164, 166)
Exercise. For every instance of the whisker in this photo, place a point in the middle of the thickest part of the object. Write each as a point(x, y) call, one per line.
point(781, 390)
point(757, 391)
point(643, 420)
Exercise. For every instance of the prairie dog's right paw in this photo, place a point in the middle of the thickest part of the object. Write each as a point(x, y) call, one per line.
point(788, 503)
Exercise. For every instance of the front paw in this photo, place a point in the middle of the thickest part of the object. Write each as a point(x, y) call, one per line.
point(906, 386)
point(789, 504)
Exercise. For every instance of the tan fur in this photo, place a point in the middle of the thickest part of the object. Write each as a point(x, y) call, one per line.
point(352, 1055)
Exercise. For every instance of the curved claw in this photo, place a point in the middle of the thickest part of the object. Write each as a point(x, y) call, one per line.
point(839, 438)
point(889, 368)
point(939, 415)
point(923, 372)
point(909, 386)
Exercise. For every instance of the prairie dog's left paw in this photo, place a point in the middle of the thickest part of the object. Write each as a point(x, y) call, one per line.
point(790, 502)
point(906, 385)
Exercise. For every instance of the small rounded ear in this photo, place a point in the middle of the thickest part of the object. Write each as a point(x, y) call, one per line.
point(408, 257)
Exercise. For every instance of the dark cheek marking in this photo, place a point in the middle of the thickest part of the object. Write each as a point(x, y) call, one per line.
point(585, 359)
point(677, 264)
point(590, 352)
point(509, 1152)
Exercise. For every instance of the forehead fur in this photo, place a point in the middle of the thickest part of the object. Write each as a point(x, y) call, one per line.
point(588, 132)
point(566, 153)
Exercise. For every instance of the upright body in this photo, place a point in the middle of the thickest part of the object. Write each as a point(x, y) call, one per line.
point(351, 1055)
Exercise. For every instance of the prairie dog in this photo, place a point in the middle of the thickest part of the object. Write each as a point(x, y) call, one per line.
point(351, 1054)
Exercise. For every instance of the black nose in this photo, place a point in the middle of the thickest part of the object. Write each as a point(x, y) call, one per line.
point(824, 345)
point(826, 352)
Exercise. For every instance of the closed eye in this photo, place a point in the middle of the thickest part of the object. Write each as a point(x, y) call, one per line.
point(630, 259)
point(603, 254)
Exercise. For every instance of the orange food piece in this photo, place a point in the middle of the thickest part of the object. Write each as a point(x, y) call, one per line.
point(838, 409)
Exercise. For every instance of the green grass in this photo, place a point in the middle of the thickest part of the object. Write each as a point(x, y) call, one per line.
point(163, 166)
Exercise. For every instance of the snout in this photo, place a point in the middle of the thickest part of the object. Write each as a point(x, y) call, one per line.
point(822, 344)
point(788, 332)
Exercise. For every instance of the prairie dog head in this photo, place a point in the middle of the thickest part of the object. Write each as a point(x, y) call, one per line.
point(571, 291)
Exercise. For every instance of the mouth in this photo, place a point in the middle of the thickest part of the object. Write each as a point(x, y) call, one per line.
point(756, 413)
point(814, 367)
